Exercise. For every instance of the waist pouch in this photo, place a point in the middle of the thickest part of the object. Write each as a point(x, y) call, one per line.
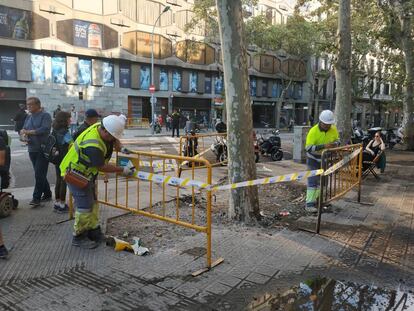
point(76, 178)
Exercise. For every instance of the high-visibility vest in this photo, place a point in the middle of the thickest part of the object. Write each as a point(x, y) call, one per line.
point(317, 138)
point(76, 159)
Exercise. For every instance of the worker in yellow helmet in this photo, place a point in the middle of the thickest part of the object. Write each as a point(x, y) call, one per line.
point(90, 154)
point(321, 136)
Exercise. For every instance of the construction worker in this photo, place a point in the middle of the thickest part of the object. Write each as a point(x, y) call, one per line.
point(321, 136)
point(90, 154)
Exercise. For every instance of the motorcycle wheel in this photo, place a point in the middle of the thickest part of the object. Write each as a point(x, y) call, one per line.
point(276, 155)
point(6, 206)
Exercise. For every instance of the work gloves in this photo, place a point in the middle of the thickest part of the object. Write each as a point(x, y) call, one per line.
point(128, 170)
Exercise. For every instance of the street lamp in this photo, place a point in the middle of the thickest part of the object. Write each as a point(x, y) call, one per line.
point(152, 100)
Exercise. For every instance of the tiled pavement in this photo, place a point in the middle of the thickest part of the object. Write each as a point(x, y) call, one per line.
point(369, 244)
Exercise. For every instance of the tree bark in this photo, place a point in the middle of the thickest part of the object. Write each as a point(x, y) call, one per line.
point(244, 202)
point(343, 72)
point(408, 102)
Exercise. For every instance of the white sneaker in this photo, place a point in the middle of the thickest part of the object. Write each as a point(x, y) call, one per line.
point(311, 209)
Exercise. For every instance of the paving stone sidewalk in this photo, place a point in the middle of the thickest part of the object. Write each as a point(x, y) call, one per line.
point(371, 244)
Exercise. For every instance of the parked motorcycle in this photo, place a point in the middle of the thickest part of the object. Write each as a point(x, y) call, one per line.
point(359, 137)
point(271, 146)
point(219, 148)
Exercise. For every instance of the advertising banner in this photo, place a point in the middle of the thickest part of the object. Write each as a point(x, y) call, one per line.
point(218, 85)
point(193, 82)
point(163, 80)
point(15, 23)
point(58, 69)
point(85, 71)
point(8, 65)
point(253, 84)
point(87, 35)
point(124, 76)
point(37, 67)
point(176, 81)
point(108, 74)
point(145, 78)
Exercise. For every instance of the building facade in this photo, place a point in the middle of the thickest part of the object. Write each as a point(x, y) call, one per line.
point(97, 54)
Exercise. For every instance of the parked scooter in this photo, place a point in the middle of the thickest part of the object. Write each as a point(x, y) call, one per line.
point(271, 146)
point(359, 137)
point(219, 148)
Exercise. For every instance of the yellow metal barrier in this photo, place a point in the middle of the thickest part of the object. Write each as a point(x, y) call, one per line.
point(342, 172)
point(150, 199)
point(137, 122)
point(198, 146)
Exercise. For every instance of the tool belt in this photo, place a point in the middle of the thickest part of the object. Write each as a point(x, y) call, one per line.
point(76, 178)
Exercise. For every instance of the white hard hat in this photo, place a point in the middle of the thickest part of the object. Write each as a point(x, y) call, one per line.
point(114, 125)
point(123, 117)
point(327, 117)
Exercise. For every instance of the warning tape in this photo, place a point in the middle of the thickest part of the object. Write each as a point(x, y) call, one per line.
point(341, 163)
point(187, 182)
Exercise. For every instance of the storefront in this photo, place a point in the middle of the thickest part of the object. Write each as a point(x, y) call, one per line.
point(197, 109)
point(10, 98)
point(263, 114)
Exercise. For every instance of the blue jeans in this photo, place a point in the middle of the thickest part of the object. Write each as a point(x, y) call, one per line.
point(73, 128)
point(40, 166)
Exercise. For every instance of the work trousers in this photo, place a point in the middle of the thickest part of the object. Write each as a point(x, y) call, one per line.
point(313, 190)
point(86, 214)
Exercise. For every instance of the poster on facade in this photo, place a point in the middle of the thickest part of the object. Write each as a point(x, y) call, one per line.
point(218, 85)
point(207, 85)
point(87, 35)
point(8, 65)
point(163, 80)
point(193, 82)
point(145, 78)
point(108, 74)
point(275, 90)
point(85, 71)
point(124, 76)
point(58, 69)
point(37, 67)
point(15, 23)
point(176, 81)
point(253, 84)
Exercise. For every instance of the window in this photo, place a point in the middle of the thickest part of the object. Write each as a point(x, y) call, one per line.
point(207, 84)
point(58, 69)
point(387, 89)
point(253, 84)
point(276, 89)
point(218, 85)
point(264, 87)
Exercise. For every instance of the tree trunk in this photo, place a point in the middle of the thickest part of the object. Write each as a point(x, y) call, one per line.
point(343, 72)
point(278, 110)
point(408, 102)
point(244, 202)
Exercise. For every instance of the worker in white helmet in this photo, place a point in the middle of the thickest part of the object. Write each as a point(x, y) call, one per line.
point(90, 154)
point(321, 136)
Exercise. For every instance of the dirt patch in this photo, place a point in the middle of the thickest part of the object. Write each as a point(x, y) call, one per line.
point(281, 205)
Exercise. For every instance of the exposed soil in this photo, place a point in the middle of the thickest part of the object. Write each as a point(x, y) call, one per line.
point(280, 204)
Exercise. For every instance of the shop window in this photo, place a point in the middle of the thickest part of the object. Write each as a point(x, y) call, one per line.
point(193, 82)
point(177, 81)
point(124, 75)
point(37, 63)
point(145, 77)
point(59, 69)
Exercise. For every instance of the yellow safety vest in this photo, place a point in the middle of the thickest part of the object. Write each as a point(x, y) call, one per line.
point(76, 159)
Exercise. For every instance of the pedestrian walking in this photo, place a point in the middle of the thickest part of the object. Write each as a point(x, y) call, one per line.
point(176, 122)
point(19, 118)
point(60, 130)
point(37, 128)
point(88, 155)
point(91, 117)
point(73, 120)
point(321, 136)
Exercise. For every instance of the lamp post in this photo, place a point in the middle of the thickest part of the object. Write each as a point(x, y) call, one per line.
point(152, 87)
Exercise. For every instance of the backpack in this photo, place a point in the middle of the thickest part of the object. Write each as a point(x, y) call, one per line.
point(52, 150)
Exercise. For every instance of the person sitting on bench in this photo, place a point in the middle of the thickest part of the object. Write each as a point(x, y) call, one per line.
point(374, 148)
